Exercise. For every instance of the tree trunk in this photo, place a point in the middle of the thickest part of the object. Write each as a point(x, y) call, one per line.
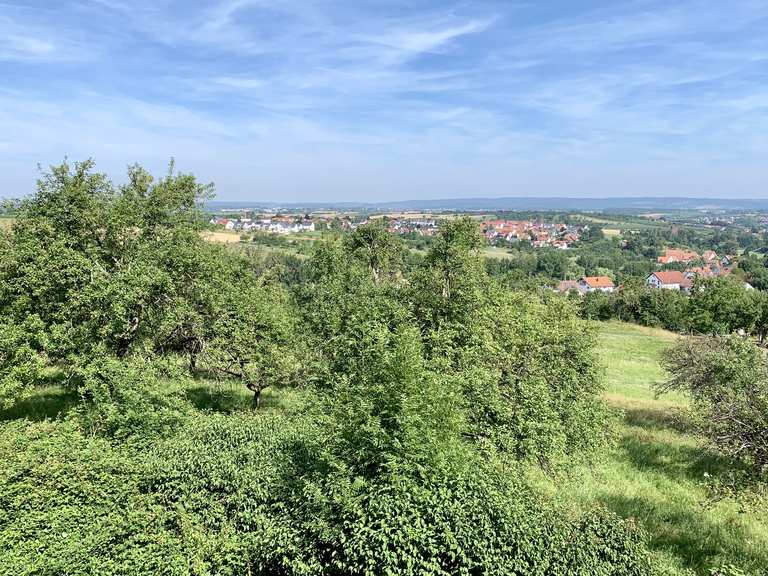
point(256, 398)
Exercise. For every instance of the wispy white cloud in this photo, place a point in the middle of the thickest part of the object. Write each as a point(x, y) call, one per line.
point(413, 41)
point(238, 83)
point(22, 42)
point(409, 99)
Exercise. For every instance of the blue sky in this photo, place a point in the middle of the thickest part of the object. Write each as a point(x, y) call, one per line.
point(393, 99)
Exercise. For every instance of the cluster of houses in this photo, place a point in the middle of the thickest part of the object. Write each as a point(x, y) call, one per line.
point(674, 255)
point(276, 224)
point(422, 227)
point(587, 284)
point(713, 267)
point(539, 234)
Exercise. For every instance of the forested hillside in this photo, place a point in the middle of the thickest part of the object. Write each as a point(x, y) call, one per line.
point(396, 409)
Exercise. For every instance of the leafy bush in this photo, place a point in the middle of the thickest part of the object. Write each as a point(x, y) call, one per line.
point(21, 363)
point(131, 397)
point(427, 386)
point(539, 395)
point(71, 504)
point(727, 378)
point(263, 495)
point(715, 306)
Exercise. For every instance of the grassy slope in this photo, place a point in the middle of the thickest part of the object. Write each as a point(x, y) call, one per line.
point(659, 474)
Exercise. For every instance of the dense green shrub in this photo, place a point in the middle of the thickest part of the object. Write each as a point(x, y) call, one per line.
point(520, 369)
point(427, 387)
point(635, 302)
point(21, 361)
point(262, 495)
point(131, 397)
point(727, 378)
point(538, 394)
point(715, 306)
point(71, 504)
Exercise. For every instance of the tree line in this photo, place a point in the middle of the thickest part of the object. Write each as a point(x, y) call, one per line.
point(715, 306)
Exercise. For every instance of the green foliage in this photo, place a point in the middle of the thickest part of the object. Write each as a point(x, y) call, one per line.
point(727, 378)
point(72, 504)
point(636, 302)
point(131, 397)
point(715, 306)
point(450, 288)
point(377, 249)
point(520, 370)
point(21, 362)
point(552, 263)
point(727, 570)
point(263, 495)
point(539, 395)
point(99, 267)
point(428, 387)
point(251, 335)
point(721, 306)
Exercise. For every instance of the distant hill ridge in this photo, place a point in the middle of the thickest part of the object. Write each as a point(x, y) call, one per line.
point(614, 204)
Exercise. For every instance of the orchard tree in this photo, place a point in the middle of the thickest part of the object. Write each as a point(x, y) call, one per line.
point(253, 336)
point(450, 287)
point(379, 250)
point(722, 305)
point(106, 270)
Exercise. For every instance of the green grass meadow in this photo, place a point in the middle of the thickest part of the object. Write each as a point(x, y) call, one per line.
point(660, 475)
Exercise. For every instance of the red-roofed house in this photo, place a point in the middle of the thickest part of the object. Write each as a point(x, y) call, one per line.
point(594, 283)
point(670, 280)
point(676, 255)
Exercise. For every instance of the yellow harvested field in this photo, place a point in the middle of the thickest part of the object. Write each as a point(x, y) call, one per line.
point(611, 232)
point(223, 237)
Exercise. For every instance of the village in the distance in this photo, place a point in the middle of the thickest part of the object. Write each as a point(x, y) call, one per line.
point(569, 252)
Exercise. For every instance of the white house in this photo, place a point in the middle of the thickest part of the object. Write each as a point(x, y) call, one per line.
point(669, 280)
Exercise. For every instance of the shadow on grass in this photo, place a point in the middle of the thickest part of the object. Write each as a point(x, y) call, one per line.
point(226, 398)
point(697, 541)
point(44, 403)
point(219, 398)
point(670, 454)
point(652, 418)
point(676, 460)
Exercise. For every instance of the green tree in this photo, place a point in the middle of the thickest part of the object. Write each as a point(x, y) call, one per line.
point(380, 251)
point(722, 305)
point(727, 378)
point(252, 336)
point(105, 270)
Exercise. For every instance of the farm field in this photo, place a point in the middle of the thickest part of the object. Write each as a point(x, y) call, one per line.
point(659, 474)
point(223, 236)
point(495, 252)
